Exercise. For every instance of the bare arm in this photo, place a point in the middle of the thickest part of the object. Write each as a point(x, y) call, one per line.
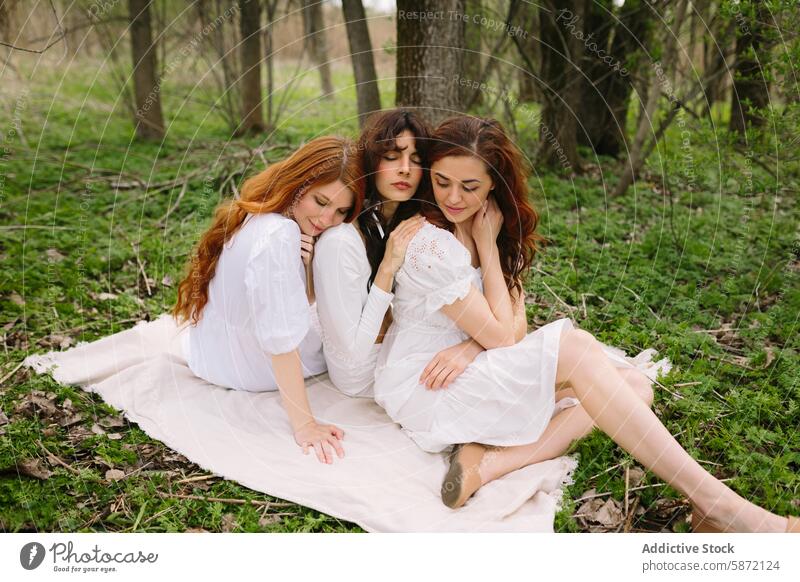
point(307, 432)
point(487, 317)
point(289, 374)
point(520, 317)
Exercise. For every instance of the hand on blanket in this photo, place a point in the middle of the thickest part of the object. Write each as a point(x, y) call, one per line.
point(448, 364)
point(322, 437)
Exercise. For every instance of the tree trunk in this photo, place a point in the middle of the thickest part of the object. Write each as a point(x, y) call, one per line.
point(250, 27)
point(528, 19)
point(148, 118)
point(430, 58)
point(561, 57)
point(639, 149)
point(367, 92)
point(314, 24)
point(608, 84)
point(750, 88)
point(270, 8)
point(473, 55)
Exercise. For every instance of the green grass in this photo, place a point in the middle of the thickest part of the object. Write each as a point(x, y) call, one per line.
point(681, 252)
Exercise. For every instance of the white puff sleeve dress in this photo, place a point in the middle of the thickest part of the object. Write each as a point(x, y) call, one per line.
point(257, 306)
point(505, 397)
point(350, 316)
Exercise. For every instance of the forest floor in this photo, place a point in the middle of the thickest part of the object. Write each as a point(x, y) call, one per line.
point(699, 260)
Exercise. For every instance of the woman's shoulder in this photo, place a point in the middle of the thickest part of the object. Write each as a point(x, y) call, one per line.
point(270, 227)
point(435, 239)
point(343, 234)
point(437, 244)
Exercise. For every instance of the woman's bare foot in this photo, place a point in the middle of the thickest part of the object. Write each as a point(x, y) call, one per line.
point(736, 514)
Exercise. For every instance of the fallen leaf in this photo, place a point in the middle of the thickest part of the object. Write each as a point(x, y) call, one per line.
point(105, 296)
point(111, 422)
point(35, 468)
point(70, 419)
point(57, 339)
point(54, 255)
point(269, 519)
point(770, 356)
point(17, 299)
point(114, 436)
point(35, 404)
point(609, 514)
point(229, 523)
point(635, 476)
point(166, 281)
point(97, 429)
point(114, 475)
point(3, 418)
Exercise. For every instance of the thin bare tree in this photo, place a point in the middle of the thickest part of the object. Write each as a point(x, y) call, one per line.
point(367, 91)
point(148, 117)
point(250, 47)
point(316, 43)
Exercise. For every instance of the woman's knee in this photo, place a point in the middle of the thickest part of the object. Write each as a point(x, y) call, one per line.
point(577, 343)
point(643, 387)
point(576, 354)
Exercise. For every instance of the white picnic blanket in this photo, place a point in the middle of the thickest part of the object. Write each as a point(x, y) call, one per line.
point(385, 483)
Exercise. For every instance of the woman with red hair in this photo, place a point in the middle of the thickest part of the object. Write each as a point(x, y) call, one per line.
point(248, 294)
point(462, 277)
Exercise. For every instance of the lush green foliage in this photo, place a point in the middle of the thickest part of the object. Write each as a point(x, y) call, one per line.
point(696, 245)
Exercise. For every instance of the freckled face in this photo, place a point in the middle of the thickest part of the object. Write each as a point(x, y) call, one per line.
point(399, 172)
point(323, 206)
point(461, 185)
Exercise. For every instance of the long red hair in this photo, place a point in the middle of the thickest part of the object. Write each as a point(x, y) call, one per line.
point(321, 161)
point(486, 140)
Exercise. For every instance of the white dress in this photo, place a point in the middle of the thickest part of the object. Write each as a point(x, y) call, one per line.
point(505, 397)
point(350, 316)
point(257, 306)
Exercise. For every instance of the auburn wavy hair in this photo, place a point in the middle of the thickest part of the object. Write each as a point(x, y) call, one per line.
point(321, 161)
point(486, 140)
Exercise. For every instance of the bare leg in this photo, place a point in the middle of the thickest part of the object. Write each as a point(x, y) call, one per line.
point(566, 427)
point(632, 425)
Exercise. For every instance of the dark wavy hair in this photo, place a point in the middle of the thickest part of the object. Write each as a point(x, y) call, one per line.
point(486, 140)
point(378, 138)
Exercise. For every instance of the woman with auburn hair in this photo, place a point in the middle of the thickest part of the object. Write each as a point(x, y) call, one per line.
point(248, 294)
point(462, 278)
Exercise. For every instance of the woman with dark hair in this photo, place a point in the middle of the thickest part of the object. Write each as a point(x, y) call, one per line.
point(355, 263)
point(247, 294)
point(463, 278)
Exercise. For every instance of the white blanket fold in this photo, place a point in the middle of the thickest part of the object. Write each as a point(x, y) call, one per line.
point(385, 483)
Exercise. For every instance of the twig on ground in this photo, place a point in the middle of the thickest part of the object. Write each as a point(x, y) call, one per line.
point(11, 373)
point(54, 459)
point(141, 270)
point(227, 500)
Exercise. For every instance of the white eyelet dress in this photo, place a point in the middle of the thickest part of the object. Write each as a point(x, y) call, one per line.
point(505, 397)
point(257, 306)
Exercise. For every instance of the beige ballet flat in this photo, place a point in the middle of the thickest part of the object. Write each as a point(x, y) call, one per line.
point(462, 478)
